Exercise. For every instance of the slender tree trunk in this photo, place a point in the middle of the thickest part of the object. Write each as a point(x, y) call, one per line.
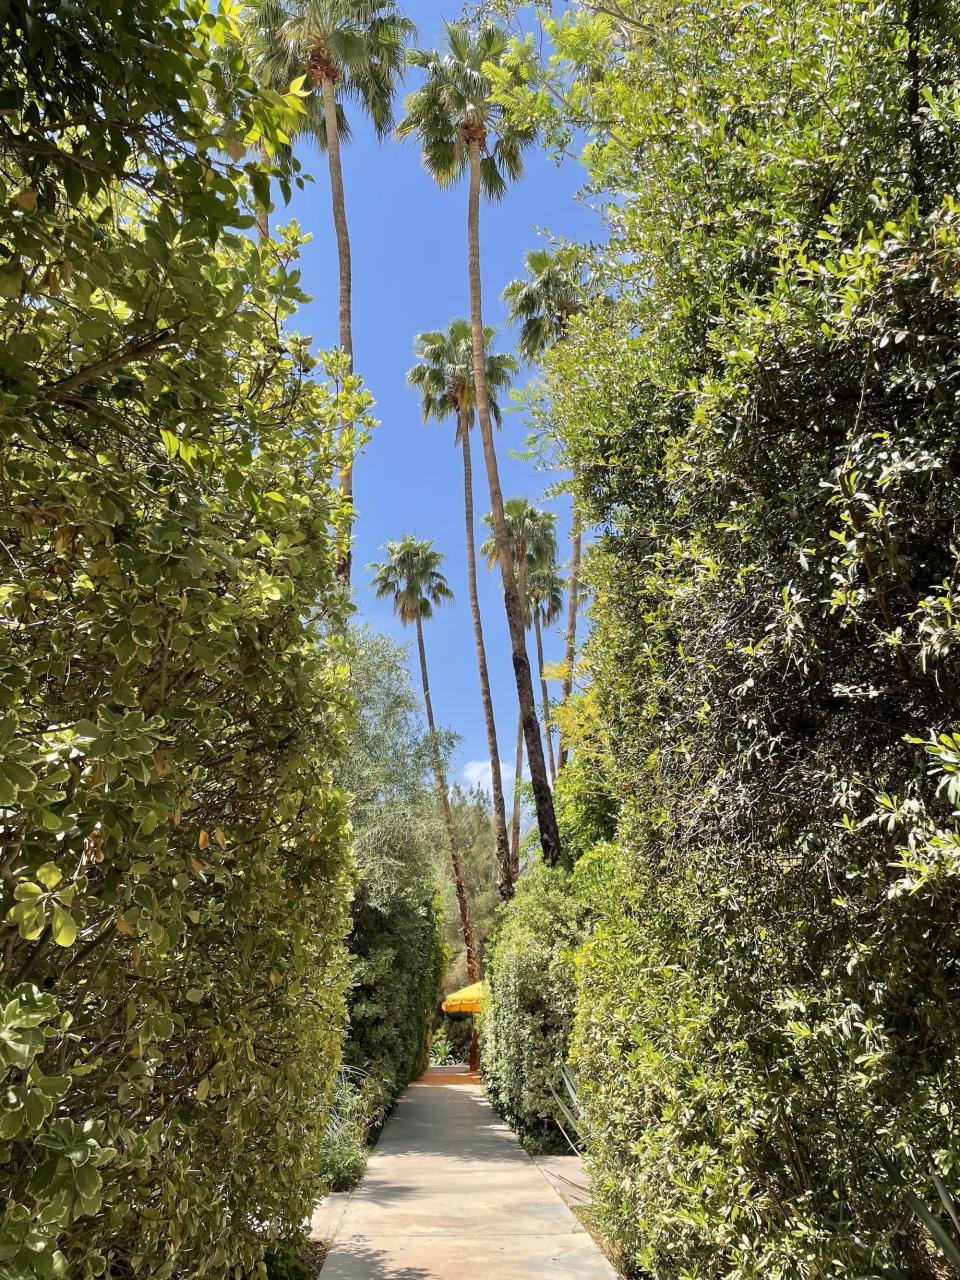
point(572, 606)
point(346, 286)
point(515, 820)
point(504, 866)
point(473, 969)
point(263, 217)
point(543, 797)
point(546, 697)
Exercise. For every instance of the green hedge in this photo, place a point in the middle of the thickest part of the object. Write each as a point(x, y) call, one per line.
point(397, 970)
point(763, 416)
point(395, 942)
point(176, 871)
point(531, 1000)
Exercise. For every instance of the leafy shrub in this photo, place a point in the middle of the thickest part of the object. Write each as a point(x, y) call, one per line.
point(287, 1263)
point(586, 811)
point(531, 998)
point(172, 689)
point(355, 1111)
point(451, 1039)
point(473, 819)
point(764, 423)
point(395, 940)
point(398, 963)
point(442, 1051)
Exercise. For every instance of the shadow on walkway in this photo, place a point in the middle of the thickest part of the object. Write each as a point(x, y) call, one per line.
point(449, 1194)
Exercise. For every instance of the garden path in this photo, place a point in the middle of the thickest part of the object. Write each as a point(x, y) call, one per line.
point(450, 1194)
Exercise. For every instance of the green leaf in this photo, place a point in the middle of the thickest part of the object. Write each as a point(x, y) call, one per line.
point(87, 1180)
point(11, 279)
point(50, 875)
point(32, 921)
point(171, 442)
point(64, 927)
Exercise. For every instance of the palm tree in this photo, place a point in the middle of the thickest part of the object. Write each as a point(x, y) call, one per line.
point(411, 577)
point(543, 304)
point(545, 604)
point(462, 130)
point(444, 377)
point(532, 541)
point(353, 51)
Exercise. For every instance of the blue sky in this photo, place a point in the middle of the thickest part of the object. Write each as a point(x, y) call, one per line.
point(409, 274)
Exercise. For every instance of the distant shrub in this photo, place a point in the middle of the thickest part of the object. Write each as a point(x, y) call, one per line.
point(451, 1039)
point(398, 964)
point(395, 942)
point(531, 986)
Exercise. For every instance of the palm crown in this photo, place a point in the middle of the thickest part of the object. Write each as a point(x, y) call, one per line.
point(358, 44)
point(453, 108)
point(444, 374)
point(533, 540)
point(410, 577)
point(543, 301)
point(545, 592)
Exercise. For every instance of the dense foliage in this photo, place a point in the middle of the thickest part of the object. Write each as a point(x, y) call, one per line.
point(763, 415)
point(476, 840)
point(395, 941)
point(746, 942)
point(531, 1000)
point(175, 862)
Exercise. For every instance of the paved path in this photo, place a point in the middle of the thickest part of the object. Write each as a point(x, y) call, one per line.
point(449, 1194)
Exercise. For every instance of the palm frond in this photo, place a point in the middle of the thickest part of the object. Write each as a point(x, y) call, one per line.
point(454, 99)
point(444, 373)
point(411, 578)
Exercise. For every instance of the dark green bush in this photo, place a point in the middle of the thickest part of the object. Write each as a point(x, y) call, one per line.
point(398, 964)
point(287, 1263)
point(395, 941)
point(452, 1034)
point(764, 417)
point(531, 998)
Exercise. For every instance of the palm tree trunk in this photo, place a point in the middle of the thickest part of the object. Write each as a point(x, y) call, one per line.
point(504, 866)
point(473, 969)
point(515, 820)
point(346, 287)
point(546, 696)
point(263, 217)
point(572, 605)
point(543, 797)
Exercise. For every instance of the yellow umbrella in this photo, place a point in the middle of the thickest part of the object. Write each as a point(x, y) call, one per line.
point(466, 1000)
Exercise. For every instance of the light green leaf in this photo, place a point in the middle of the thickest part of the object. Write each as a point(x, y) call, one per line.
point(64, 927)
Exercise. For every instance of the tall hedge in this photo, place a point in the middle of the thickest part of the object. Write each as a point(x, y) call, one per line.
point(175, 871)
point(764, 414)
point(531, 1001)
point(395, 940)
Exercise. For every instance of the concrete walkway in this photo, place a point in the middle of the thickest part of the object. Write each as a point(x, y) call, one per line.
point(449, 1194)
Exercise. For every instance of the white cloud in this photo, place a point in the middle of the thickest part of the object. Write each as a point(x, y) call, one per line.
point(478, 773)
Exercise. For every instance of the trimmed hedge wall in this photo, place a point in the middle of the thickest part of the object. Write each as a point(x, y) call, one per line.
point(531, 987)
